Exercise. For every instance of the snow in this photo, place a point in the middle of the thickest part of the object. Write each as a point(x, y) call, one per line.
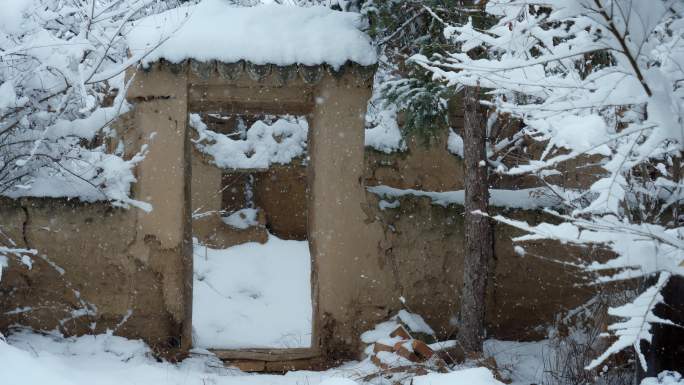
point(529, 199)
point(455, 143)
point(519, 250)
point(21, 367)
point(415, 322)
point(263, 34)
point(242, 219)
point(12, 13)
point(638, 317)
point(392, 359)
point(88, 175)
point(56, 60)
point(265, 143)
point(338, 381)
point(627, 111)
point(384, 134)
point(382, 130)
point(8, 97)
point(104, 359)
point(664, 378)
point(472, 376)
point(441, 345)
point(523, 362)
point(635, 256)
point(381, 330)
point(587, 133)
point(253, 295)
point(384, 205)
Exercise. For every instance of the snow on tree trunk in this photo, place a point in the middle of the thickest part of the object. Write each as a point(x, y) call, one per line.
point(478, 232)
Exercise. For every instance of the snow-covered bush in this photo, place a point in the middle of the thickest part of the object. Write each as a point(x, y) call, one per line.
point(575, 340)
point(61, 86)
point(600, 78)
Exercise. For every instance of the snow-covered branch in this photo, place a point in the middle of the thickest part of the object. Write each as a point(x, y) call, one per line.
point(586, 79)
point(61, 87)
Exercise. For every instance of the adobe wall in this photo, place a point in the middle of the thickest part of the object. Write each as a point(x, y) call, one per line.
point(424, 166)
point(422, 247)
point(87, 277)
point(364, 258)
point(415, 251)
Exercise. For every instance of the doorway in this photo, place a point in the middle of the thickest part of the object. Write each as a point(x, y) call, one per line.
point(252, 264)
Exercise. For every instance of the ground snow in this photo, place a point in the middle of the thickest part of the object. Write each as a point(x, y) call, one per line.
point(338, 381)
point(36, 359)
point(472, 376)
point(263, 34)
point(21, 367)
point(523, 362)
point(253, 295)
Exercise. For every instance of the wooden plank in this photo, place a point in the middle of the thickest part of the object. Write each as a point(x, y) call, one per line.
point(269, 355)
point(277, 366)
point(287, 366)
point(249, 366)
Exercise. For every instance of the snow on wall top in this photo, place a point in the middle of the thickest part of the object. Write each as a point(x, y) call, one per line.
point(264, 34)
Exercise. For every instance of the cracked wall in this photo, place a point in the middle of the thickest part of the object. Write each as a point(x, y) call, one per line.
point(85, 278)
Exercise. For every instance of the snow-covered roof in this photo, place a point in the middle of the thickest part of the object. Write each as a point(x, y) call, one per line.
point(265, 34)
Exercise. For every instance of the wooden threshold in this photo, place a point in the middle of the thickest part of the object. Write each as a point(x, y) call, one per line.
point(269, 355)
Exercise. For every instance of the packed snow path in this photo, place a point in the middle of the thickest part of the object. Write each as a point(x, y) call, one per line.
point(252, 295)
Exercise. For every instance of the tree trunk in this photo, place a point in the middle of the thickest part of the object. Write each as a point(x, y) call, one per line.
point(478, 232)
